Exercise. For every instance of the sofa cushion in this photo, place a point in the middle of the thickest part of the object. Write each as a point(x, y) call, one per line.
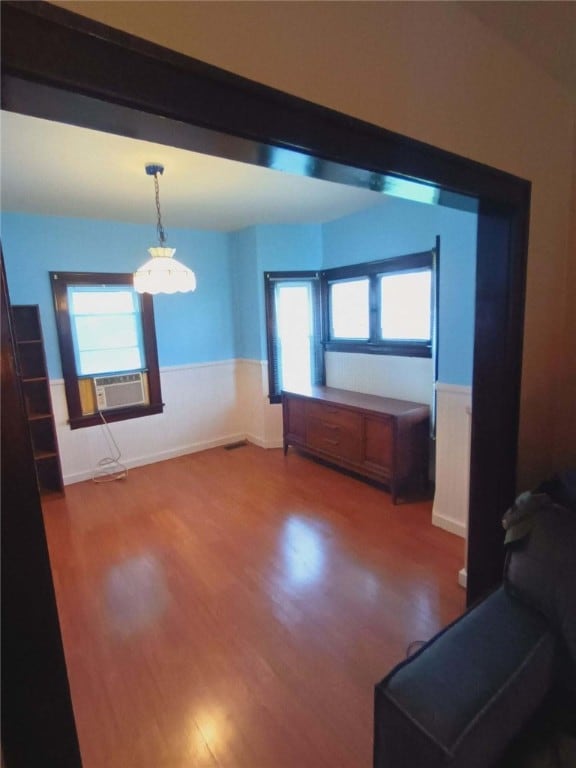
point(461, 698)
point(561, 488)
point(540, 570)
point(549, 738)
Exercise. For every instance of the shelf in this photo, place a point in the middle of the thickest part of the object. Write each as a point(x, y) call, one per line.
point(48, 493)
point(27, 323)
point(39, 416)
point(37, 398)
point(43, 455)
point(49, 477)
point(32, 363)
point(36, 392)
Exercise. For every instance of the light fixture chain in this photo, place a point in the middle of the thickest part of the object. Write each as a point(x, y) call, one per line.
point(159, 227)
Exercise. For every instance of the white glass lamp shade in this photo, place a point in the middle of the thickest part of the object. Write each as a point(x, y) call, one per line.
point(163, 274)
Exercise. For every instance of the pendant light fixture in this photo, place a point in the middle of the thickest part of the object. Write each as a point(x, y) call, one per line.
point(162, 273)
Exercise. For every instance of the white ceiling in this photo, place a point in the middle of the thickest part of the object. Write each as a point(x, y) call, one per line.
point(56, 169)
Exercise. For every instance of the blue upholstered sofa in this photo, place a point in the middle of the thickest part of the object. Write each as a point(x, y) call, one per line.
point(497, 688)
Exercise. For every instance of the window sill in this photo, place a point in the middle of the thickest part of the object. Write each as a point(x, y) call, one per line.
point(118, 414)
point(401, 349)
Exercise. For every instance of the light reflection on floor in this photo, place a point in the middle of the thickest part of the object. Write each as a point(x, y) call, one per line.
point(314, 568)
point(303, 550)
point(212, 729)
point(135, 594)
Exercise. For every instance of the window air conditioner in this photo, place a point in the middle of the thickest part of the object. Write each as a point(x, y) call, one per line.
point(119, 391)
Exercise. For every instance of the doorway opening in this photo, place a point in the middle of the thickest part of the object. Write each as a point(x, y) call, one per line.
point(113, 82)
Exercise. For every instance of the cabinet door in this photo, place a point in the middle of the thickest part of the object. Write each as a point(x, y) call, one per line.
point(294, 419)
point(378, 444)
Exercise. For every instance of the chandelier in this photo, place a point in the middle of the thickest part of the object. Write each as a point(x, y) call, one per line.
point(162, 273)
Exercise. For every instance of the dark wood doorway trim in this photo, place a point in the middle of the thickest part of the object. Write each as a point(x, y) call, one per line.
point(65, 67)
point(37, 719)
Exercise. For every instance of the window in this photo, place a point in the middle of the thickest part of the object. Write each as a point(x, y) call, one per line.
point(405, 299)
point(106, 329)
point(381, 307)
point(350, 309)
point(293, 326)
point(107, 346)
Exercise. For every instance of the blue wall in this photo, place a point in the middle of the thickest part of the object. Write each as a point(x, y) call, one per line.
point(225, 318)
point(190, 328)
point(281, 248)
point(399, 227)
point(246, 277)
point(254, 251)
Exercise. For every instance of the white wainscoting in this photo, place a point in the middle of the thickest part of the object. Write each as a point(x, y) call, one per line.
point(212, 404)
point(454, 408)
point(201, 411)
point(206, 405)
point(261, 421)
point(404, 378)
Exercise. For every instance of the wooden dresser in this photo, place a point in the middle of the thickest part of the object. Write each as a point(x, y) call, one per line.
point(378, 437)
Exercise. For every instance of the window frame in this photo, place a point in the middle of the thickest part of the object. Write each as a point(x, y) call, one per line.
point(60, 281)
point(372, 270)
point(270, 278)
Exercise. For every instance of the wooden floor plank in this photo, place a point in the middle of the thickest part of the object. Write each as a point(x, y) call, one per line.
point(234, 609)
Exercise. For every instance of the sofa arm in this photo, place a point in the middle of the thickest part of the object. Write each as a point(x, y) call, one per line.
point(461, 699)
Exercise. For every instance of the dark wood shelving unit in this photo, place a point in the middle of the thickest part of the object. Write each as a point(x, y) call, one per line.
point(36, 388)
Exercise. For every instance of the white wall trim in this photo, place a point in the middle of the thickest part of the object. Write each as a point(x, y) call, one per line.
point(262, 443)
point(250, 361)
point(195, 366)
point(449, 524)
point(456, 389)
point(463, 577)
point(187, 366)
point(152, 458)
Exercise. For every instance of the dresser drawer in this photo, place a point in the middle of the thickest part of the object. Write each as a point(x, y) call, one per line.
point(340, 440)
point(333, 415)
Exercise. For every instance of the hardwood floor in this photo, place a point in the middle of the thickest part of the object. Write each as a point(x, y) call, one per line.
point(235, 609)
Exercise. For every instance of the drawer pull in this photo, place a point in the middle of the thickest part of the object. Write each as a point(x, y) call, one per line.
point(331, 442)
point(329, 426)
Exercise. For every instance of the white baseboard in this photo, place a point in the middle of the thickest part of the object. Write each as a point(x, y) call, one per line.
point(261, 443)
point(453, 526)
point(152, 458)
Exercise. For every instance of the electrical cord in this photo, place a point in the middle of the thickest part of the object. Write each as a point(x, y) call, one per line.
point(110, 467)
